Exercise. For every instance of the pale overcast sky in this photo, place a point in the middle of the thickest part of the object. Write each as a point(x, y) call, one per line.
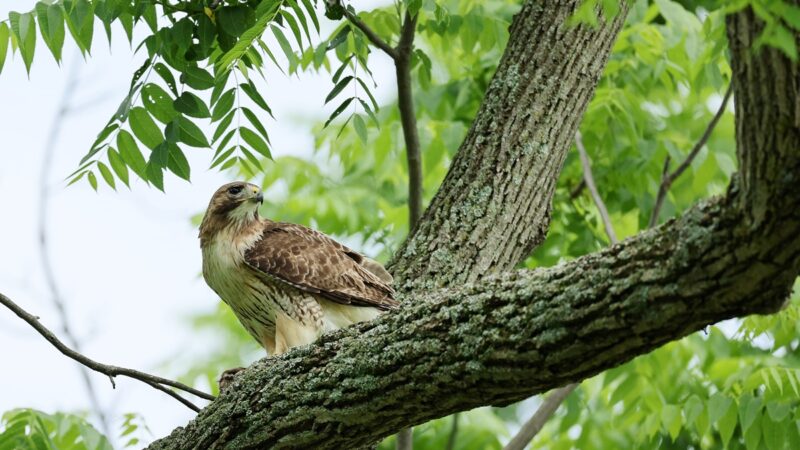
point(128, 262)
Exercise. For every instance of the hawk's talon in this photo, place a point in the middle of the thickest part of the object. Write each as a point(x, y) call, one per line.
point(226, 378)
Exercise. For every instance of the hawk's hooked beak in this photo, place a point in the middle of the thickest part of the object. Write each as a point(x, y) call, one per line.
point(259, 196)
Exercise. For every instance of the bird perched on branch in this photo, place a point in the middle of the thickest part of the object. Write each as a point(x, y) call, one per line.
point(286, 283)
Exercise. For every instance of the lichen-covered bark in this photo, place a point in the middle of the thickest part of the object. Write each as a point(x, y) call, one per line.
point(494, 204)
point(505, 337)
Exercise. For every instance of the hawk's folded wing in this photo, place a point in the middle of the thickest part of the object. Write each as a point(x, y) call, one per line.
point(313, 262)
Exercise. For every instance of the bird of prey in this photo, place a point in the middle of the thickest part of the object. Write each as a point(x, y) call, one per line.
point(286, 283)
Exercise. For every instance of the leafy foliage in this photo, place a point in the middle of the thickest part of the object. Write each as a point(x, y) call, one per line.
point(23, 429)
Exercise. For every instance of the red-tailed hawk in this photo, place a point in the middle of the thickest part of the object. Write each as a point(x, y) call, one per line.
point(286, 283)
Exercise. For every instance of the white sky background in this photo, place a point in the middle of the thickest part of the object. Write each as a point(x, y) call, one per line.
point(127, 263)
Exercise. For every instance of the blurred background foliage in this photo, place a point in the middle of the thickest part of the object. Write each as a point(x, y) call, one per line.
point(736, 385)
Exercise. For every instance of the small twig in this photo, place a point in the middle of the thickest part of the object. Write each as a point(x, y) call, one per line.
point(111, 371)
point(668, 178)
point(576, 191)
point(588, 178)
point(451, 439)
point(373, 37)
point(537, 421)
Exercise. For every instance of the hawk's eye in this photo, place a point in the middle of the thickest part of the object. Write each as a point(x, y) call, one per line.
point(234, 190)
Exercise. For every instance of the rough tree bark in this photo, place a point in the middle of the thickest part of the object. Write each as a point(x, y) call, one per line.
point(498, 339)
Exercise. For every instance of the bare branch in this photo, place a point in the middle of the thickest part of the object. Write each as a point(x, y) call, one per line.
point(373, 37)
point(668, 178)
point(589, 179)
point(540, 417)
point(576, 191)
point(408, 118)
point(106, 369)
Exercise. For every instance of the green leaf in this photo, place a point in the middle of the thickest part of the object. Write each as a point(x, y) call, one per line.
point(671, 419)
point(301, 17)
point(749, 409)
point(51, 25)
point(144, 128)
point(285, 46)
point(752, 436)
point(206, 33)
point(234, 20)
point(223, 125)
point(222, 158)
point(92, 180)
point(79, 15)
point(166, 74)
point(311, 13)
point(338, 111)
point(340, 37)
point(727, 424)
point(187, 132)
point(361, 128)
point(778, 411)
point(107, 176)
point(251, 91)
point(338, 88)
point(4, 38)
point(290, 20)
point(130, 153)
point(226, 139)
point(155, 175)
point(197, 78)
point(24, 28)
point(97, 144)
point(718, 405)
point(255, 141)
point(177, 162)
point(369, 94)
point(224, 105)
point(158, 103)
point(118, 165)
point(251, 116)
point(192, 105)
point(774, 433)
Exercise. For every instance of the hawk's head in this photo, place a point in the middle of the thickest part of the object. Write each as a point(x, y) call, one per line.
point(233, 204)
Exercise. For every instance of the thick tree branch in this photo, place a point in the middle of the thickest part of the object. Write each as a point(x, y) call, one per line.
point(668, 178)
point(109, 370)
point(506, 338)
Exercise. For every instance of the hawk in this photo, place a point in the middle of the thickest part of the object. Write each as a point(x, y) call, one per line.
point(286, 283)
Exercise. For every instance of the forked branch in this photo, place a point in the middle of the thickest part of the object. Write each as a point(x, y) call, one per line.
point(111, 371)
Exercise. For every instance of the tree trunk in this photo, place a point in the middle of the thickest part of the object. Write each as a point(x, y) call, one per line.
point(498, 339)
point(494, 205)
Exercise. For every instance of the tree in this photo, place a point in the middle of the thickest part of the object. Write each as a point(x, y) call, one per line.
point(473, 331)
